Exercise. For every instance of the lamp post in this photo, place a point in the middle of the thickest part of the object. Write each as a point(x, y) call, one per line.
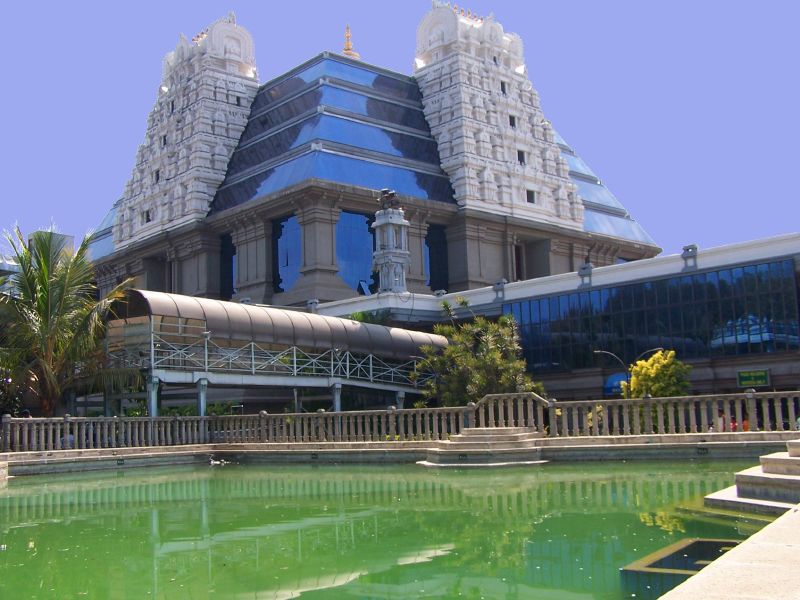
point(628, 367)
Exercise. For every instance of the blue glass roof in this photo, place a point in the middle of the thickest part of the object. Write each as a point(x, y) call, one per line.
point(333, 120)
point(334, 167)
point(102, 243)
point(616, 226)
point(603, 213)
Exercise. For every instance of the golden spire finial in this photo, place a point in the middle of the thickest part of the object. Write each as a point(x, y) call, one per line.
point(348, 44)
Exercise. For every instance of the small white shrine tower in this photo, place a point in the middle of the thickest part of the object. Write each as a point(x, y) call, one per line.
point(391, 257)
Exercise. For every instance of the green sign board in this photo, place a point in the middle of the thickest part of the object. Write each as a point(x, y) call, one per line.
point(755, 378)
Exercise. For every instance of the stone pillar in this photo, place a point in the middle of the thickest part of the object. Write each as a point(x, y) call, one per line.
point(254, 277)
point(416, 277)
point(336, 390)
point(399, 398)
point(152, 396)
point(202, 388)
point(319, 274)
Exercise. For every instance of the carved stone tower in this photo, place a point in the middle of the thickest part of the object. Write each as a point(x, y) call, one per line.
point(391, 257)
point(494, 142)
point(203, 102)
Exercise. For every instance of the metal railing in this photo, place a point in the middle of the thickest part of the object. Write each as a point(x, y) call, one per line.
point(767, 411)
point(250, 358)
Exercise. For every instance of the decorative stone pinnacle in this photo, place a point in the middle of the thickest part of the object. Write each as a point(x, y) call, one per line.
point(348, 44)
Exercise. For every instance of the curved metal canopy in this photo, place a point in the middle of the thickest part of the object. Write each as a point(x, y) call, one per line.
point(272, 325)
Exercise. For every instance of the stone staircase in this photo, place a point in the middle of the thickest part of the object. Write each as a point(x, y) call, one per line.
point(487, 447)
point(771, 487)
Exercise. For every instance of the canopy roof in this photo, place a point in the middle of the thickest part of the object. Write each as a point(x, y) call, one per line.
point(271, 325)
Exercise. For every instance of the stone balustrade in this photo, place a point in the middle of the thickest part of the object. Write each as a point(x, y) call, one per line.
point(766, 411)
point(24, 435)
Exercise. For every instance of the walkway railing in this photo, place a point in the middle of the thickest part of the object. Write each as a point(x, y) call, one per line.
point(767, 411)
point(193, 352)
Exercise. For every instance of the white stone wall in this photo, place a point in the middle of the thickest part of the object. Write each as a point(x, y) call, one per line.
point(200, 112)
point(473, 78)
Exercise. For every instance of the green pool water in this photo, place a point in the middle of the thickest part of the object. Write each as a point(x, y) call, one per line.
point(556, 531)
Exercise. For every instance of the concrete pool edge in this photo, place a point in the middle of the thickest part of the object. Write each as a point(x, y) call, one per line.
point(561, 450)
point(765, 565)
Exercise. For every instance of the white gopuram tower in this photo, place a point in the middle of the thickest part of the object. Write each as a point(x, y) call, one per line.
point(207, 86)
point(494, 142)
point(391, 257)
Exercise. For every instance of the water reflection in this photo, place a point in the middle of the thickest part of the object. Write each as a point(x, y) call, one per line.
point(333, 532)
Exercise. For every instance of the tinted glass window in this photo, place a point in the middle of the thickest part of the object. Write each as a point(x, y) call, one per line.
point(286, 253)
point(354, 245)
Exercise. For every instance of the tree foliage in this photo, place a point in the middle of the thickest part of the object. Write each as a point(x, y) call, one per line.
point(661, 375)
point(482, 357)
point(52, 322)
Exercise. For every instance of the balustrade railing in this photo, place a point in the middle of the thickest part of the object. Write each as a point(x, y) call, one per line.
point(767, 411)
point(426, 424)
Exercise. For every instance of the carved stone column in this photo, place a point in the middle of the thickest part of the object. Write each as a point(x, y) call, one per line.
point(254, 277)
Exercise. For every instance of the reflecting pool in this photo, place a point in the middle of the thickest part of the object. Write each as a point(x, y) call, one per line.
point(551, 532)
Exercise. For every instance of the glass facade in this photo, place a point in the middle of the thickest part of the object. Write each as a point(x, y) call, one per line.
point(354, 246)
point(742, 310)
point(287, 253)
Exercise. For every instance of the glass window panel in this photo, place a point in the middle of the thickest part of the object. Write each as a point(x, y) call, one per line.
point(673, 290)
point(534, 307)
point(563, 303)
point(286, 252)
point(712, 285)
point(354, 246)
point(515, 312)
point(699, 287)
point(686, 288)
point(725, 283)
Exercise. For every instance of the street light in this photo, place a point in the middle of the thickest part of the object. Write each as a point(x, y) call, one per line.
point(628, 367)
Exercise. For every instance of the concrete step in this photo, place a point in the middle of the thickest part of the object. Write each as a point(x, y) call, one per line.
point(755, 483)
point(511, 438)
point(780, 463)
point(794, 447)
point(470, 431)
point(489, 445)
point(506, 455)
point(494, 465)
point(729, 499)
point(444, 448)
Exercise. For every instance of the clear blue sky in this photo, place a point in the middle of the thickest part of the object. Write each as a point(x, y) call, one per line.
point(687, 110)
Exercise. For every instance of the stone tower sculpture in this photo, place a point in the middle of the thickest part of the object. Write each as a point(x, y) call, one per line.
point(201, 109)
point(494, 142)
point(391, 257)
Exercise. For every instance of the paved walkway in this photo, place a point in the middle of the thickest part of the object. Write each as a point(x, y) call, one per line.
point(764, 567)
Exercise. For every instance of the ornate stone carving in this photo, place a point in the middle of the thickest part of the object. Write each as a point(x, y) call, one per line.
point(186, 150)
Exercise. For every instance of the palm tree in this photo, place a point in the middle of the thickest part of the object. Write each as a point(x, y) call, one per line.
point(51, 322)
